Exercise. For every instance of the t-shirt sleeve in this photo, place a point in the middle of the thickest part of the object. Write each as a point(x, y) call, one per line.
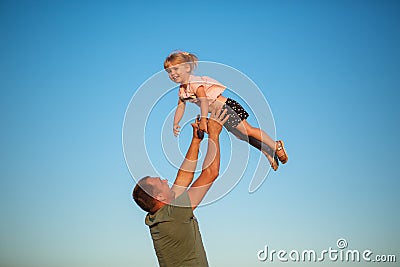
point(196, 82)
point(194, 86)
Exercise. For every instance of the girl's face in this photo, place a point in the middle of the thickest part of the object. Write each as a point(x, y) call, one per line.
point(179, 73)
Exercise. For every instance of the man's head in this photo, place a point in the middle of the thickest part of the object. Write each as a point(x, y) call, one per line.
point(151, 193)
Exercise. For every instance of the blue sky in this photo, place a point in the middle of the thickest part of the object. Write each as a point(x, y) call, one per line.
point(328, 69)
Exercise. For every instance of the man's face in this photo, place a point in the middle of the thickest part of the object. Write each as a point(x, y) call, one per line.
point(162, 191)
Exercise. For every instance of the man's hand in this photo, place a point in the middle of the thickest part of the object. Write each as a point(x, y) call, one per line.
point(196, 128)
point(217, 118)
point(203, 125)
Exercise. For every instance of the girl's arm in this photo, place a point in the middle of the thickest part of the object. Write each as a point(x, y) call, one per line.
point(180, 110)
point(201, 95)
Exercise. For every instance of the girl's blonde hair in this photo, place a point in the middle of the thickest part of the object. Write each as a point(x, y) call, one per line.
point(180, 57)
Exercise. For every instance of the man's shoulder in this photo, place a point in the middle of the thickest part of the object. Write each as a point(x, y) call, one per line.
point(179, 209)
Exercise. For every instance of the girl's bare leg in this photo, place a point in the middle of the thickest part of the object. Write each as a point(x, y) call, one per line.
point(266, 150)
point(246, 129)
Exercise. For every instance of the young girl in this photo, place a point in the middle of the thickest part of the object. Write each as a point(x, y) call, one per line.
point(207, 93)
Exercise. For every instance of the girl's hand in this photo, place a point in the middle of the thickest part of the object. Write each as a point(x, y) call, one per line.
point(176, 129)
point(203, 125)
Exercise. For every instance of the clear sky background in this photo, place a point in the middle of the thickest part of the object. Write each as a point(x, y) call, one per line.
point(68, 69)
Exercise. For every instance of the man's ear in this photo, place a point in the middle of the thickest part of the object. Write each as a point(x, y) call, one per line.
point(160, 197)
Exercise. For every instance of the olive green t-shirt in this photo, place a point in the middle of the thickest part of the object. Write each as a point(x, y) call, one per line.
point(176, 236)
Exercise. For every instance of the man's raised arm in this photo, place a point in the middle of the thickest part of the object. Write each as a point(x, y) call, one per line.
point(186, 172)
point(211, 163)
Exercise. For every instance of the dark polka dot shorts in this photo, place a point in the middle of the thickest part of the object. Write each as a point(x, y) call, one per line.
point(236, 113)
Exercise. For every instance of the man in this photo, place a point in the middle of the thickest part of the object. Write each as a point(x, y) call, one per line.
point(173, 227)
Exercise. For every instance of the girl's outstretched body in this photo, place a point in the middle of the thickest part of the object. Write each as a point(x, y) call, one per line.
point(207, 94)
